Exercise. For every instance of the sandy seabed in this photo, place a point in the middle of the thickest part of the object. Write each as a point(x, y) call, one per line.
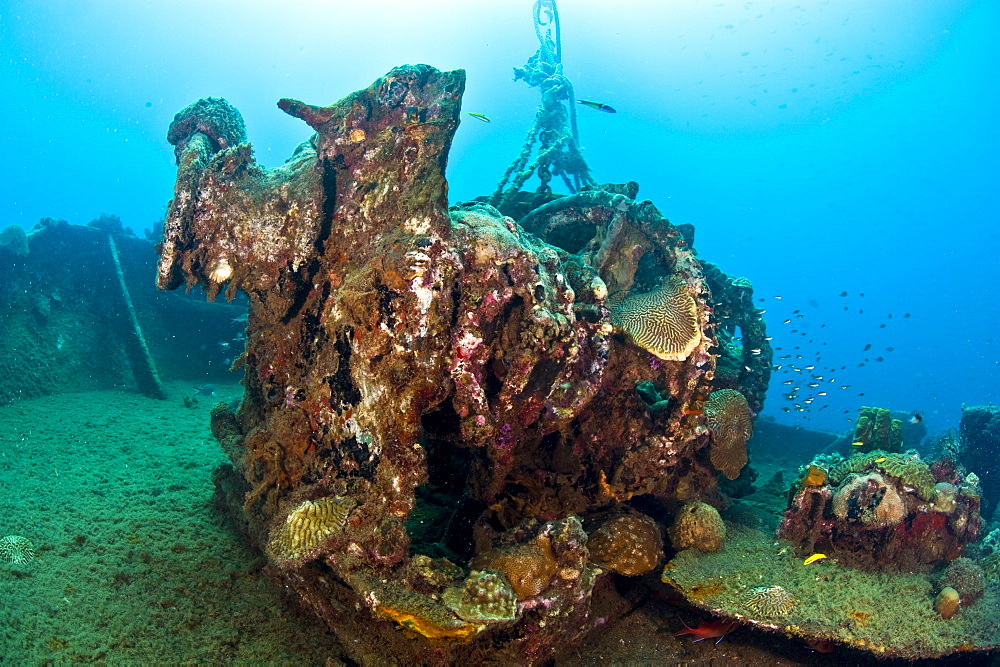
point(135, 565)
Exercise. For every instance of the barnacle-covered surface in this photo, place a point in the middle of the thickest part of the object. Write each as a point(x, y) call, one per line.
point(886, 614)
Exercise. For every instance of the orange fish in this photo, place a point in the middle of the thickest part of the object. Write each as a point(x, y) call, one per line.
point(710, 630)
point(690, 411)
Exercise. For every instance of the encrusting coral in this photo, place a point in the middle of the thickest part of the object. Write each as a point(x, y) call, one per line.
point(664, 321)
point(629, 544)
point(698, 526)
point(485, 597)
point(307, 526)
point(728, 415)
point(528, 567)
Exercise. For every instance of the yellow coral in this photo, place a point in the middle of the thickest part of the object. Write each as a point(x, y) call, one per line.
point(432, 628)
point(308, 525)
point(629, 544)
point(664, 322)
point(528, 567)
point(815, 476)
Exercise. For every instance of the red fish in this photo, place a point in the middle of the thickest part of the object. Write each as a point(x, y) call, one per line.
point(821, 645)
point(710, 630)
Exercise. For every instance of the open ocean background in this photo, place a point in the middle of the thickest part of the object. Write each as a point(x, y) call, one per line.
point(818, 147)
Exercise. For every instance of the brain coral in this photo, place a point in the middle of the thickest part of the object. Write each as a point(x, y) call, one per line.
point(698, 526)
point(486, 597)
point(307, 526)
point(629, 544)
point(664, 322)
point(16, 549)
point(528, 567)
point(729, 420)
point(770, 601)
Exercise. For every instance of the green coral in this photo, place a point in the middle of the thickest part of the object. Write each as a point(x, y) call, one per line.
point(876, 429)
point(907, 467)
point(912, 472)
point(486, 597)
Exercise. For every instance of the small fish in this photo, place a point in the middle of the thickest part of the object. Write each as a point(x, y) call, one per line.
point(479, 116)
point(916, 418)
point(857, 443)
point(204, 390)
point(821, 645)
point(879, 460)
point(814, 558)
point(867, 347)
point(710, 630)
point(843, 294)
point(597, 105)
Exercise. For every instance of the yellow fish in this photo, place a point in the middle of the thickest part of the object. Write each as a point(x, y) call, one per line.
point(880, 460)
point(857, 444)
point(479, 116)
point(814, 558)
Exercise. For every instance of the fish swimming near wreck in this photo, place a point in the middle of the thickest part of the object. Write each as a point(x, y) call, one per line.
point(709, 630)
point(204, 390)
point(597, 105)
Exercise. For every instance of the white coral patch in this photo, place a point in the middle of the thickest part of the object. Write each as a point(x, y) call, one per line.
point(221, 271)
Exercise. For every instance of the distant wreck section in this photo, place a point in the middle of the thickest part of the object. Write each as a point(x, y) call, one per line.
point(441, 406)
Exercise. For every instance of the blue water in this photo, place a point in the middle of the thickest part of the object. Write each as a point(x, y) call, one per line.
point(819, 147)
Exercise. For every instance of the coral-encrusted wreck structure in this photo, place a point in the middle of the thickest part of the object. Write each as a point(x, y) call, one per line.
point(439, 405)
